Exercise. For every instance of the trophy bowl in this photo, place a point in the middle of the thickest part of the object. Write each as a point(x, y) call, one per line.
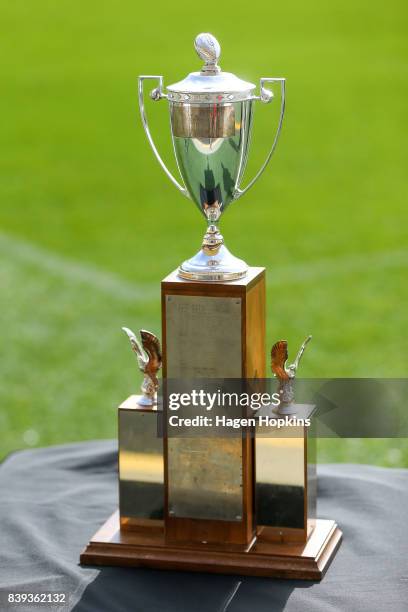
point(211, 115)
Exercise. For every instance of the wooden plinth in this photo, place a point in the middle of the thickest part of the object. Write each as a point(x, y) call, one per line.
point(308, 561)
point(211, 330)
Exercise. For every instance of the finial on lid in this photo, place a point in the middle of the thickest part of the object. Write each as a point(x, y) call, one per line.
point(208, 48)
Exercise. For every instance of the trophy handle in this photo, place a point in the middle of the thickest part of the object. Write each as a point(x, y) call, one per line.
point(156, 94)
point(266, 97)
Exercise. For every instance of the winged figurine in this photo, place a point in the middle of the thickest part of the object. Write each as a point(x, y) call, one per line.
point(149, 359)
point(286, 374)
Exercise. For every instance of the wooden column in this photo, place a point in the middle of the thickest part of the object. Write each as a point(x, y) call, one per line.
point(212, 330)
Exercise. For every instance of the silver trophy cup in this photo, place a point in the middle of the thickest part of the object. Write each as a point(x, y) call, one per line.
point(211, 122)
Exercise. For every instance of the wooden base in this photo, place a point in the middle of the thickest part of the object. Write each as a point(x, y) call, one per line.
point(308, 561)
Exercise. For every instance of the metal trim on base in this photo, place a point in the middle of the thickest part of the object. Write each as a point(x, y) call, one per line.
point(211, 276)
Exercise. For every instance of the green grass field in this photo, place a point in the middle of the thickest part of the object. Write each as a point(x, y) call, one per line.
point(90, 224)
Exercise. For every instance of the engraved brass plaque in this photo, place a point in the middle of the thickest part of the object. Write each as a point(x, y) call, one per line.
point(199, 121)
point(204, 341)
point(141, 471)
point(205, 478)
point(203, 338)
point(285, 473)
point(280, 479)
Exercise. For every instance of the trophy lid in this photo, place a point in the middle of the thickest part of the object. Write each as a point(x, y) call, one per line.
point(211, 85)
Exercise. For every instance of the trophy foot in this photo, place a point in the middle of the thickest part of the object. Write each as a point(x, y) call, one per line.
point(294, 409)
point(220, 267)
point(144, 400)
point(285, 410)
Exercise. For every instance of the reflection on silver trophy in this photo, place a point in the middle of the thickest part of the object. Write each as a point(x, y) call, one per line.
point(149, 360)
point(211, 114)
point(286, 374)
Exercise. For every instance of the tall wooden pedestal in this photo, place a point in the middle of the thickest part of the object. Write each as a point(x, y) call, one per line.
point(192, 503)
point(212, 330)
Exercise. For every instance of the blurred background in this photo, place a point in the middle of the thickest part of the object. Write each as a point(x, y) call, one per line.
point(90, 224)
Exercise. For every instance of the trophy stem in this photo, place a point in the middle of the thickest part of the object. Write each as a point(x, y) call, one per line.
point(213, 262)
point(213, 240)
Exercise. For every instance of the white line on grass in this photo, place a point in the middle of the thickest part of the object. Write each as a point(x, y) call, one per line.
point(122, 290)
point(73, 271)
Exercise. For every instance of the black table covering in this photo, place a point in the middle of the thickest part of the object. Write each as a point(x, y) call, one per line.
point(52, 501)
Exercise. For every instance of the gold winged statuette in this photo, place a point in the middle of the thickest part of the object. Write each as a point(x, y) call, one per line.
point(286, 374)
point(149, 359)
point(279, 357)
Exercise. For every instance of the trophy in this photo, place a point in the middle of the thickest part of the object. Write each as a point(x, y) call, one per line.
point(211, 115)
point(286, 374)
point(149, 360)
point(237, 504)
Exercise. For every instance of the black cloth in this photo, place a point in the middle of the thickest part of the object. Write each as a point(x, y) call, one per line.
point(52, 501)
